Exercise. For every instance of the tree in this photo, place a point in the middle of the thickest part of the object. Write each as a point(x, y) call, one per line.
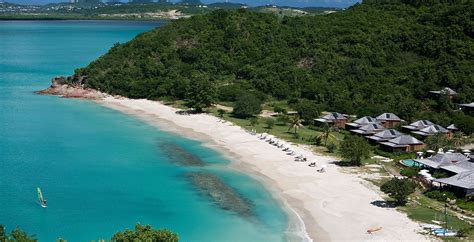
point(201, 93)
point(327, 133)
point(253, 121)
point(307, 110)
point(458, 140)
point(270, 122)
point(399, 189)
point(354, 149)
point(437, 141)
point(17, 235)
point(145, 233)
point(295, 123)
point(247, 105)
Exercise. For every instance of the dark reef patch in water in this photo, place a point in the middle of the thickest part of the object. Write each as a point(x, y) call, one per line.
point(221, 194)
point(179, 155)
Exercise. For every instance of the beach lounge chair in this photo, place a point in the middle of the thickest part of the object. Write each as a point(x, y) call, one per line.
point(312, 164)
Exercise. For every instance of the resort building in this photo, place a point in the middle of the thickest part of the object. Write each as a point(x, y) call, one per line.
point(454, 163)
point(361, 122)
point(462, 183)
point(445, 91)
point(403, 143)
point(432, 130)
point(369, 129)
point(334, 119)
point(418, 125)
point(384, 135)
point(389, 120)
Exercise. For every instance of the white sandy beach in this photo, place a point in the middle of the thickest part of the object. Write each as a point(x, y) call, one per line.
point(334, 206)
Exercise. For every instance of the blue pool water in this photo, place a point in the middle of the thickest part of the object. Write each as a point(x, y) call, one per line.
point(102, 171)
point(410, 163)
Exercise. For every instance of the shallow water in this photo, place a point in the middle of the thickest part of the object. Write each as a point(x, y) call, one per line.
point(100, 170)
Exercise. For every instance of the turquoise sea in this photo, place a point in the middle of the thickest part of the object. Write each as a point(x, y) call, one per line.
point(100, 170)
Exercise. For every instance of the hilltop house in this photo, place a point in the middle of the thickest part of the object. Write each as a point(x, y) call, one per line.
point(334, 119)
point(384, 135)
point(445, 91)
point(418, 125)
point(432, 130)
point(361, 122)
point(403, 143)
point(369, 129)
point(389, 120)
point(463, 183)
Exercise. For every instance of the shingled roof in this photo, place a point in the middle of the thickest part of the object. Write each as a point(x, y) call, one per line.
point(420, 124)
point(454, 162)
point(369, 129)
point(431, 130)
point(463, 179)
point(362, 121)
point(388, 117)
point(331, 117)
point(385, 135)
point(402, 141)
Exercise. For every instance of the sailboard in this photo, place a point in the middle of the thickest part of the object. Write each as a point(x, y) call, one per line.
point(41, 199)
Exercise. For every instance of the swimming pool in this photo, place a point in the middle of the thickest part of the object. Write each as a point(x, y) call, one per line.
point(410, 163)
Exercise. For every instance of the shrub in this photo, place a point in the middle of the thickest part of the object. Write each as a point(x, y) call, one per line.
point(307, 110)
point(253, 121)
point(229, 93)
point(440, 174)
point(316, 140)
point(354, 149)
point(270, 122)
point(331, 147)
point(221, 112)
point(278, 109)
point(247, 105)
point(399, 189)
point(440, 195)
point(409, 172)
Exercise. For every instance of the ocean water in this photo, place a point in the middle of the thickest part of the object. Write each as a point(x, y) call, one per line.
point(100, 170)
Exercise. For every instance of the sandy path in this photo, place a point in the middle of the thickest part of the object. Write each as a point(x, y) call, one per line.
point(334, 206)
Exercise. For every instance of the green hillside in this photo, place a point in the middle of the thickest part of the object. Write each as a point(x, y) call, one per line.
point(371, 58)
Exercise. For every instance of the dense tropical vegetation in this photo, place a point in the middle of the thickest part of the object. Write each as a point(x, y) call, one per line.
point(371, 58)
point(140, 233)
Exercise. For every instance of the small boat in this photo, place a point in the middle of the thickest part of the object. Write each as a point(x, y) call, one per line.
point(41, 199)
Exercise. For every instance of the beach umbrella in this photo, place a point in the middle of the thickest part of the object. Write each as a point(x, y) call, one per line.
point(466, 151)
point(430, 151)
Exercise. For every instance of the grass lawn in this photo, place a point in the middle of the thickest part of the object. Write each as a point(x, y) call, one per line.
point(425, 215)
point(279, 130)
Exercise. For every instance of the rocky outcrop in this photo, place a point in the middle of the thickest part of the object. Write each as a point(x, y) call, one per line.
point(71, 88)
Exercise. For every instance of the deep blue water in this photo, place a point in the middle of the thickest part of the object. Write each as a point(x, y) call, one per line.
point(101, 171)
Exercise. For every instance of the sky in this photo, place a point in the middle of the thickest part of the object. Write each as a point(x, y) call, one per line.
point(293, 3)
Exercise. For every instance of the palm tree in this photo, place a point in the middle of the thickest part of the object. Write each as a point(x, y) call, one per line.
point(458, 140)
point(327, 129)
point(295, 123)
point(436, 141)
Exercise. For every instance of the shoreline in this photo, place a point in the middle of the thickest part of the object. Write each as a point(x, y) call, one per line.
point(329, 206)
point(296, 230)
